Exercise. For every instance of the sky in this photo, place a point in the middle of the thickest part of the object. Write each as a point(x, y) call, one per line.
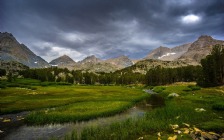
point(109, 28)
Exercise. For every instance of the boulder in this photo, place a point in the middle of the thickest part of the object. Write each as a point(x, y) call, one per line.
point(173, 95)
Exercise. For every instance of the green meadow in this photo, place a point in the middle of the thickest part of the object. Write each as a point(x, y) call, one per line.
point(178, 111)
point(59, 103)
point(49, 102)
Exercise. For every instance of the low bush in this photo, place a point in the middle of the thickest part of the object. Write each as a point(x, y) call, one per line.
point(158, 89)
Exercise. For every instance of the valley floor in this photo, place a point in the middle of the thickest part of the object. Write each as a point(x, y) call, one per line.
point(186, 111)
point(190, 112)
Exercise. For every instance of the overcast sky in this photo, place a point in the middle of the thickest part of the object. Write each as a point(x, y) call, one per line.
point(109, 28)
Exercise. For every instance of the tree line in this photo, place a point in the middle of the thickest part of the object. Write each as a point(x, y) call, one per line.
point(162, 76)
point(79, 77)
point(155, 76)
point(213, 68)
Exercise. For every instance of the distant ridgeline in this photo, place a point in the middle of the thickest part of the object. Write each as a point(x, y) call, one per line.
point(178, 56)
point(161, 66)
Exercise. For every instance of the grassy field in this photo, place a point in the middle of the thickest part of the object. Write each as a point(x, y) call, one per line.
point(56, 103)
point(178, 111)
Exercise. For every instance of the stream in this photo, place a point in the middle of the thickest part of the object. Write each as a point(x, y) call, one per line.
point(16, 128)
point(58, 131)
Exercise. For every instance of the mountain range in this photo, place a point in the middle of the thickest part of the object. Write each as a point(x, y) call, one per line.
point(186, 54)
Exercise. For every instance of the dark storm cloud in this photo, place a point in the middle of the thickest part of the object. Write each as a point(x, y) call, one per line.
point(109, 28)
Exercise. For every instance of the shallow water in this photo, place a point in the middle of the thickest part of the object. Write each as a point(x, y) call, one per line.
point(60, 130)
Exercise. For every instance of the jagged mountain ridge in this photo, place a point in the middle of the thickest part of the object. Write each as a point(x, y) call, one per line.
point(12, 50)
point(94, 64)
point(191, 53)
point(168, 54)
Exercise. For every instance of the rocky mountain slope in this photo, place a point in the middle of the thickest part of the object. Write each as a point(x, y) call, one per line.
point(191, 53)
point(144, 65)
point(90, 59)
point(200, 49)
point(94, 64)
point(12, 50)
point(168, 54)
point(12, 66)
point(120, 62)
point(96, 67)
point(63, 62)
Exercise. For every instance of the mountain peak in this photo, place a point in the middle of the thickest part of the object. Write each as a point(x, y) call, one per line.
point(62, 61)
point(64, 56)
point(7, 35)
point(205, 37)
point(12, 50)
point(200, 48)
point(91, 59)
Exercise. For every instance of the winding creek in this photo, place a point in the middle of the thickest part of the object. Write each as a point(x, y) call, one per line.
point(25, 132)
point(18, 130)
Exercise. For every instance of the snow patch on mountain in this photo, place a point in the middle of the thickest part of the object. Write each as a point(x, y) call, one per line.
point(168, 54)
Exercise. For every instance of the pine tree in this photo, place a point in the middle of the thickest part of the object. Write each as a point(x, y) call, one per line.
point(213, 67)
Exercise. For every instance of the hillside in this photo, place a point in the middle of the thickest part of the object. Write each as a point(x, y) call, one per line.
point(144, 65)
point(12, 66)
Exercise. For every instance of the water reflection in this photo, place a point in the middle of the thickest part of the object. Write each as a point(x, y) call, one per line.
point(59, 130)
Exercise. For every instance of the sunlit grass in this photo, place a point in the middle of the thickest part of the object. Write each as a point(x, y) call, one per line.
point(178, 110)
point(78, 111)
point(57, 103)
